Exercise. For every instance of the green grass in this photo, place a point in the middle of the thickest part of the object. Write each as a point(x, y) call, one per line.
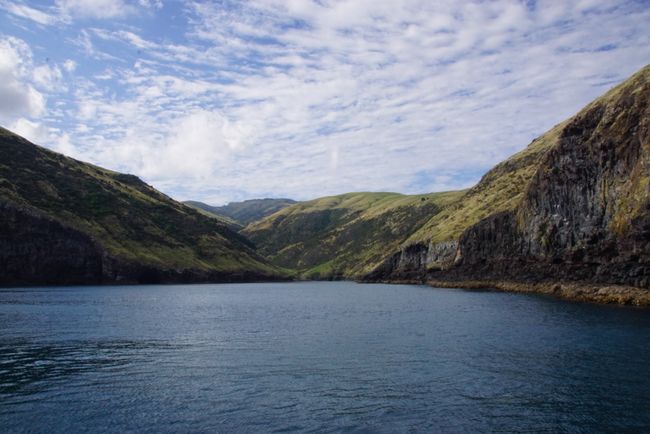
point(503, 187)
point(350, 234)
point(345, 235)
point(131, 219)
point(500, 189)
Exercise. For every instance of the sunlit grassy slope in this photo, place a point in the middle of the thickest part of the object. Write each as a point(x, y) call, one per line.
point(502, 188)
point(348, 235)
point(499, 189)
point(343, 236)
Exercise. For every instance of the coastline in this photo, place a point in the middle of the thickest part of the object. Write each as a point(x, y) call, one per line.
point(570, 291)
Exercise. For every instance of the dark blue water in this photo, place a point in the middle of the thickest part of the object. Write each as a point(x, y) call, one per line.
point(318, 357)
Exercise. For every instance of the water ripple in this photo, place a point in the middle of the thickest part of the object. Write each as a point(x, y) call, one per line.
point(320, 358)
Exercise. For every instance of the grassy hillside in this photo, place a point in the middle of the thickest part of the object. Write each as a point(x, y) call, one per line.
point(129, 219)
point(572, 207)
point(352, 234)
point(500, 189)
point(503, 187)
point(343, 236)
point(243, 213)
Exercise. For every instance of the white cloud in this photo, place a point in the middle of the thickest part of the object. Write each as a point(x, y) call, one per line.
point(61, 143)
point(32, 131)
point(304, 98)
point(67, 11)
point(197, 142)
point(17, 96)
point(381, 91)
point(99, 9)
point(47, 76)
point(70, 65)
point(29, 13)
point(155, 4)
point(40, 134)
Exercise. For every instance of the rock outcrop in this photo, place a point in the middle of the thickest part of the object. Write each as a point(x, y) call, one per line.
point(584, 215)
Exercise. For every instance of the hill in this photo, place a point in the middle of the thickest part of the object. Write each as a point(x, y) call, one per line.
point(342, 236)
point(573, 207)
point(246, 212)
point(65, 221)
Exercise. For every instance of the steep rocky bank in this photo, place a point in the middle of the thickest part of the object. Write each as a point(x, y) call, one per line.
point(583, 217)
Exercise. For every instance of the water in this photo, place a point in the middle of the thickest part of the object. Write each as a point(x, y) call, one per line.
point(318, 357)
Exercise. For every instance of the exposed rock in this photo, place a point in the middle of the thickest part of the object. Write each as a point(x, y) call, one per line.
point(38, 250)
point(584, 216)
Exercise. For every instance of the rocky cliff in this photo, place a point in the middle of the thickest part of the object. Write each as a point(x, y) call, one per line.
point(583, 215)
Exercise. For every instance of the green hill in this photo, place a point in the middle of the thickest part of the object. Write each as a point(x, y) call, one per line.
point(65, 221)
point(243, 213)
point(571, 207)
point(342, 236)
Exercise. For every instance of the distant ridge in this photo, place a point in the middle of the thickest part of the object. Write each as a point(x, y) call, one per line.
point(243, 213)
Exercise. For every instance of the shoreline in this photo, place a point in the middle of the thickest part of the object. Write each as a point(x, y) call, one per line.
point(624, 295)
point(571, 291)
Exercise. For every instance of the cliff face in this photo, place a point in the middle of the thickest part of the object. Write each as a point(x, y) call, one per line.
point(64, 221)
point(584, 215)
point(38, 250)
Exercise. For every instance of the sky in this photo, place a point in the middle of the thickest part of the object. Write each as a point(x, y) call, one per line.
point(229, 100)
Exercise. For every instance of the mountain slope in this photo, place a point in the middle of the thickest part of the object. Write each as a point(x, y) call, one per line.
point(64, 221)
point(246, 212)
point(342, 236)
point(581, 212)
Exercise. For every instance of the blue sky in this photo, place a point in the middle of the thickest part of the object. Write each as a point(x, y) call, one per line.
point(230, 100)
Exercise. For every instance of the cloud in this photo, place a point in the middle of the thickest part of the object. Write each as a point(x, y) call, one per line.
point(47, 76)
point(238, 99)
point(98, 9)
point(17, 96)
point(29, 13)
point(32, 131)
point(193, 147)
point(39, 133)
point(66, 11)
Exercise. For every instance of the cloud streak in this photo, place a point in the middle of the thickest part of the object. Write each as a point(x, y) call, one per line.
point(300, 98)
